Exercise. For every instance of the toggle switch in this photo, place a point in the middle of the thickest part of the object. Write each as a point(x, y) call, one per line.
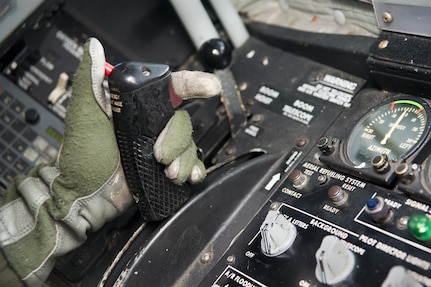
point(278, 234)
point(334, 261)
point(59, 89)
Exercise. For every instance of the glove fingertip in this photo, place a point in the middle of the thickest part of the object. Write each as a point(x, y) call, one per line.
point(174, 139)
point(172, 170)
point(198, 173)
point(176, 172)
point(158, 145)
point(195, 84)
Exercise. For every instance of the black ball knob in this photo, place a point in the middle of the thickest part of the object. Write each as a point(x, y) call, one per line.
point(215, 54)
point(32, 116)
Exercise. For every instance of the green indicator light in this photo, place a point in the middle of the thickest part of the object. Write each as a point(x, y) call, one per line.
point(420, 226)
point(55, 134)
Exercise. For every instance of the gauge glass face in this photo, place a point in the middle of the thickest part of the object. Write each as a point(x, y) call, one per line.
point(395, 129)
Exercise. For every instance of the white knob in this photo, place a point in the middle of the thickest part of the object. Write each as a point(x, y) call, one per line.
point(398, 277)
point(278, 234)
point(334, 261)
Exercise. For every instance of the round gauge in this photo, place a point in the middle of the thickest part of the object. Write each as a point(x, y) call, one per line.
point(394, 129)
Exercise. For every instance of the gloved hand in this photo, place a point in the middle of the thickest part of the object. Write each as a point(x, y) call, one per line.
point(48, 212)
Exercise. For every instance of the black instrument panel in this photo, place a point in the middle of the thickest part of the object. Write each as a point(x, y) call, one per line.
point(304, 213)
point(327, 184)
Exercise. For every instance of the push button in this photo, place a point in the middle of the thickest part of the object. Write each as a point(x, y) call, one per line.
point(378, 210)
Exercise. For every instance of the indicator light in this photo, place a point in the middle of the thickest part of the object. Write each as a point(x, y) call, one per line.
point(420, 226)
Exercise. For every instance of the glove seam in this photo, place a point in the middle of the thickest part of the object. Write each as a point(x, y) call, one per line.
point(32, 212)
point(49, 257)
point(78, 203)
point(14, 237)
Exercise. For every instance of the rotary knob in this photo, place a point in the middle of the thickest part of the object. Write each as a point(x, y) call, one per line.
point(32, 116)
point(334, 261)
point(278, 234)
point(399, 277)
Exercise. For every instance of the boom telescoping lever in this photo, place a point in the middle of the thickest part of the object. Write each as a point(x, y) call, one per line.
point(142, 103)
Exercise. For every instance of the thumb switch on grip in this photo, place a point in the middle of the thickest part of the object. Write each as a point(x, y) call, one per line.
point(140, 99)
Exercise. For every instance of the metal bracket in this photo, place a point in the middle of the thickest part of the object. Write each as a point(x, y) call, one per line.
point(404, 16)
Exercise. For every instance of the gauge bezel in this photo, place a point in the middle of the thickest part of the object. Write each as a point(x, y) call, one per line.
point(359, 126)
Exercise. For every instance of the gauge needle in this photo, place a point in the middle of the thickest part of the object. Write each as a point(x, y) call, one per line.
point(388, 135)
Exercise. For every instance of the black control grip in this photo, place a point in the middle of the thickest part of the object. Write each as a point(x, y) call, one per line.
point(141, 106)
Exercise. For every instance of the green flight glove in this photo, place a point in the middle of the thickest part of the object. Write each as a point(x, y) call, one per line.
point(48, 212)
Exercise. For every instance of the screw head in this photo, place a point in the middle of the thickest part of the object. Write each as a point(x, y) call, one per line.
point(322, 179)
point(205, 258)
point(243, 86)
point(383, 44)
point(274, 206)
point(301, 141)
point(230, 259)
point(403, 223)
point(230, 150)
point(257, 118)
point(387, 17)
point(265, 61)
